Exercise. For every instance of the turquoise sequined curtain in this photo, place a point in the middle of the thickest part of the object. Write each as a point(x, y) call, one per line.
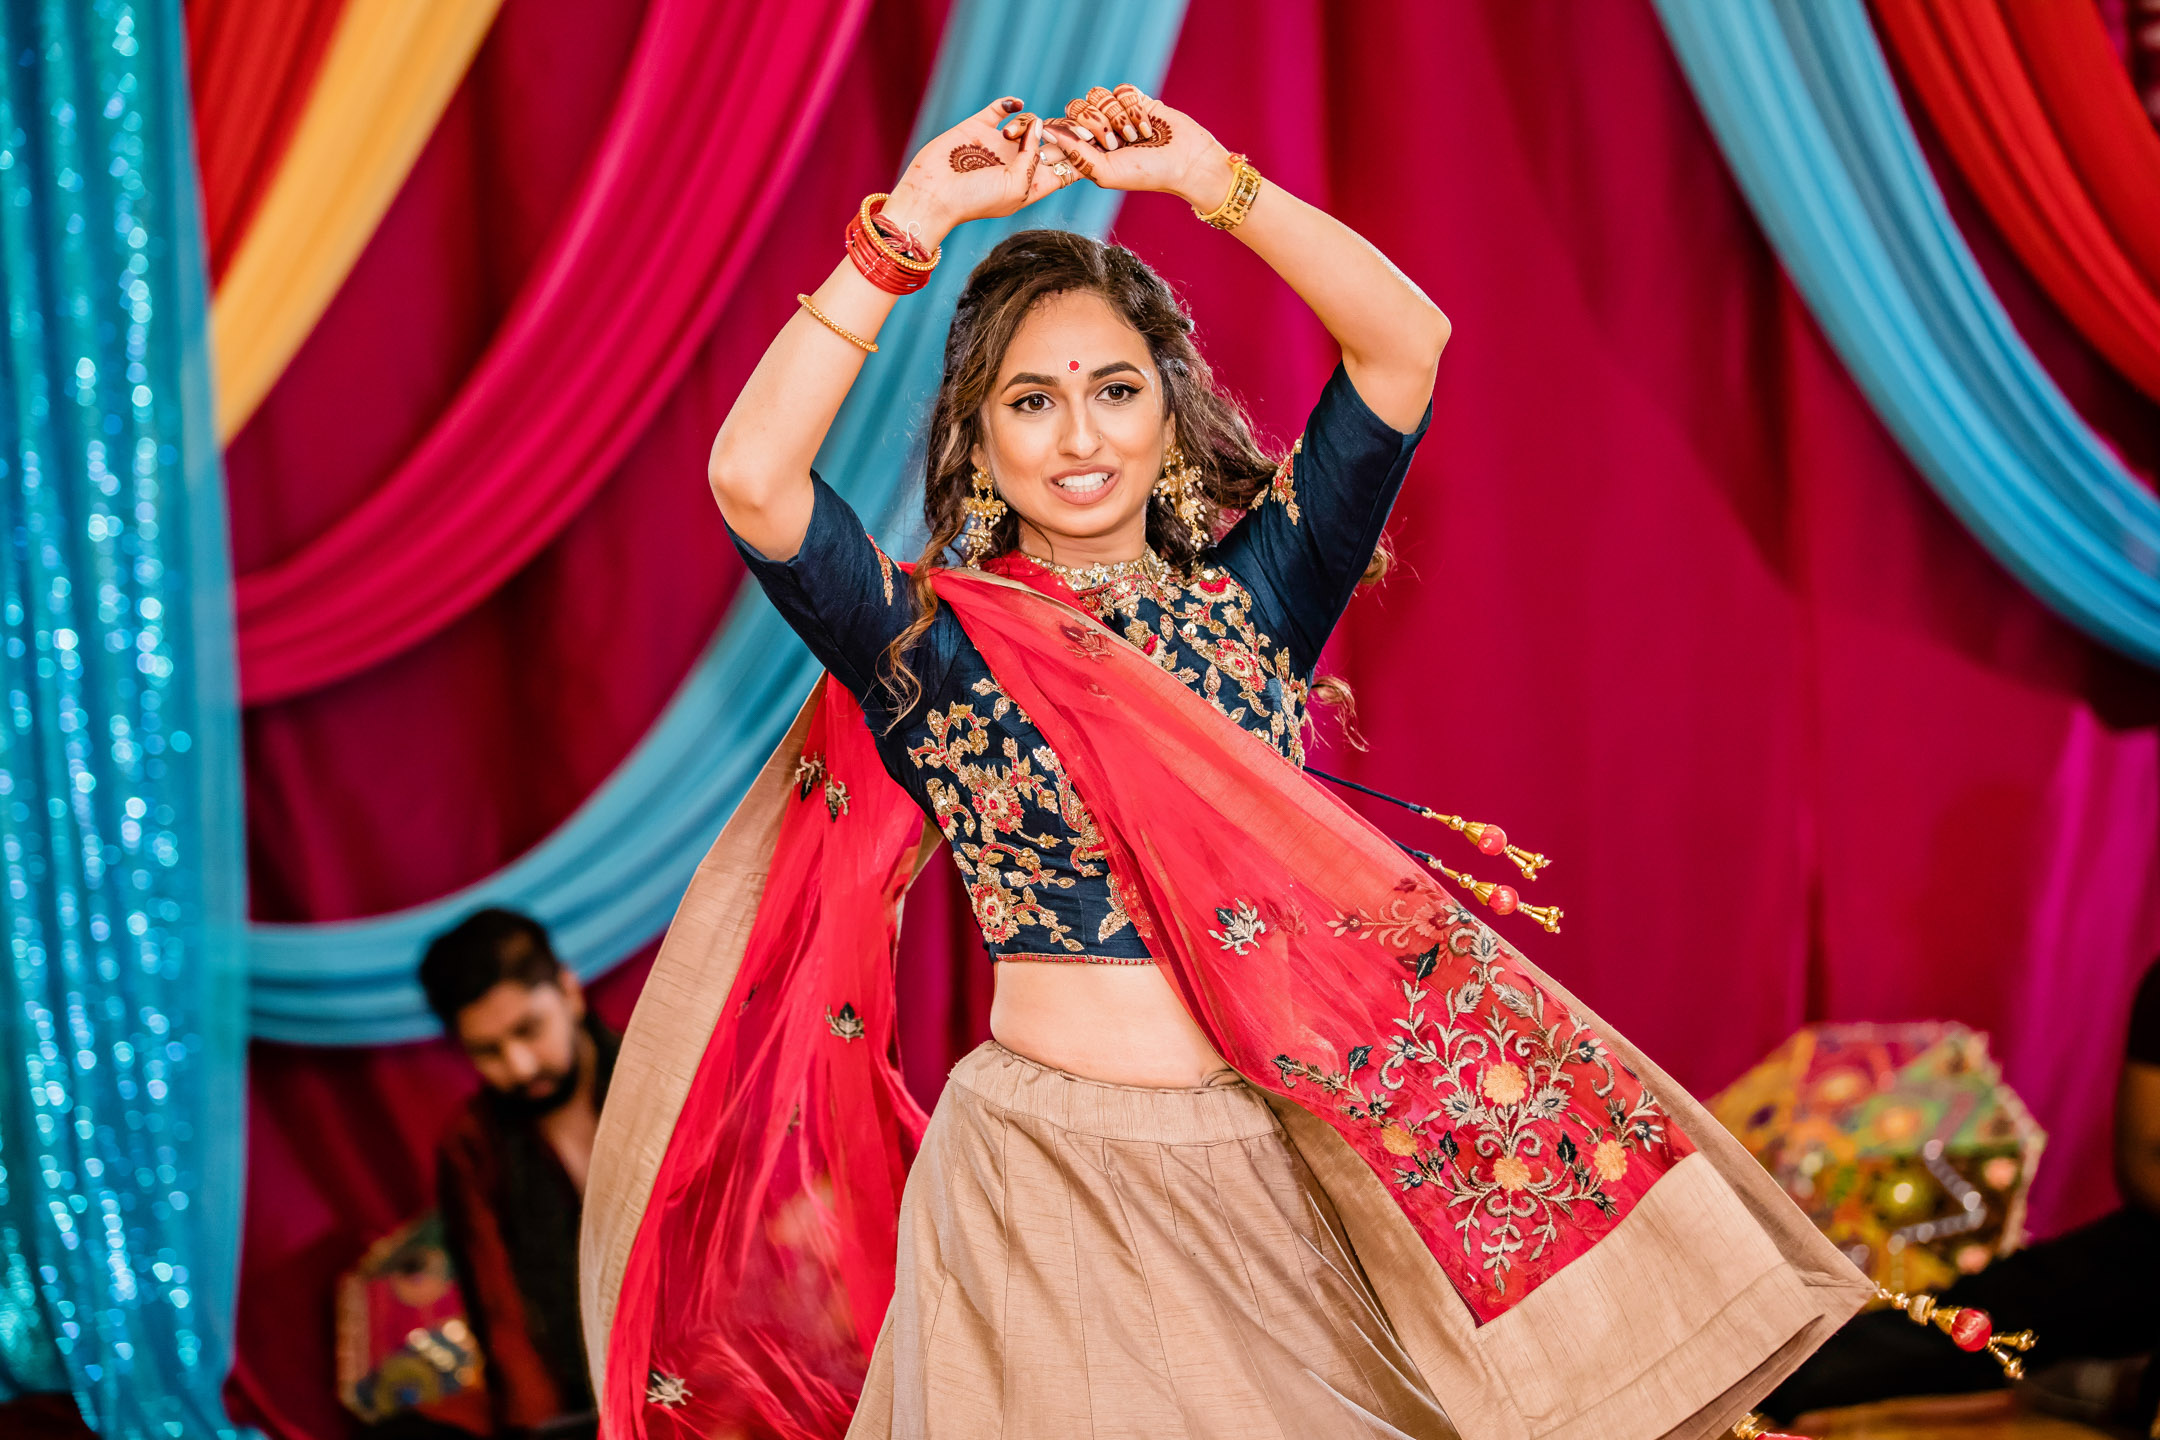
point(122, 1010)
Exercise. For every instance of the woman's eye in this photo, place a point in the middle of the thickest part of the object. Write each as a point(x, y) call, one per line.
point(1119, 391)
point(1033, 404)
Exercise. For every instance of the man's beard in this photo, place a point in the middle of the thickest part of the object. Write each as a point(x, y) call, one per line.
point(526, 1106)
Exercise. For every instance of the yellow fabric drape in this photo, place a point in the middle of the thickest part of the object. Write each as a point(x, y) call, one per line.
point(389, 70)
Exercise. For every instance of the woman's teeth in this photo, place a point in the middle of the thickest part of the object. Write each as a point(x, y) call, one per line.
point(1083, 483)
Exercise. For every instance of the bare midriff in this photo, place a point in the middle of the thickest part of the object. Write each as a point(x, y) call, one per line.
point(1120, 1023)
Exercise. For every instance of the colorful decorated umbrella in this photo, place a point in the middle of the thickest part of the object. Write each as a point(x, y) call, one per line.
point(1901, 1141)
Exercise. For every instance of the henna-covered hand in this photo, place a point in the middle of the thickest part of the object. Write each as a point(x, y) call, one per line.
point(1123, 139)
point(988, 164)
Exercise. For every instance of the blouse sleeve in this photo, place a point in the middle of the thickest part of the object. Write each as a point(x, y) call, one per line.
point(840, 593)
point(1302, 548)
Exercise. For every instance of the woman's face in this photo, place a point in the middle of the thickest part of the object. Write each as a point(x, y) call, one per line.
point(1075, 431)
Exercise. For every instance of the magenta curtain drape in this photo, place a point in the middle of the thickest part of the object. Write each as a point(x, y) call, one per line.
point(715, 112)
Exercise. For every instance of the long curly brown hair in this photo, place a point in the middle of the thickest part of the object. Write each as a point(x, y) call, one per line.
point(1211, 427)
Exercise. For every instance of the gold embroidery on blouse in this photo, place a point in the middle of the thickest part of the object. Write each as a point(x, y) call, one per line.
point(1210, 618)
point(885, 569)
point(1282, 489)
point(987, 824)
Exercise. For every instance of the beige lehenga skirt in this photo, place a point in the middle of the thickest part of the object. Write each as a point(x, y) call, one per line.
point(1086, 1259)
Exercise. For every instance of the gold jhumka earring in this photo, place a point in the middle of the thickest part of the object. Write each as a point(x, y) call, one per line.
point(981, 514)
point(1179, 487)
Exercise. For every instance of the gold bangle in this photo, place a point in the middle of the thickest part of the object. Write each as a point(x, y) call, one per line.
point(868, 347)
point(1244, 189)
point(877, 238)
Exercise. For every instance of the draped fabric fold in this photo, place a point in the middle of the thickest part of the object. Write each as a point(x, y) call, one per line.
point(122, 1002)
point(390, 69)
point(251, 64)
point(1803, 105)
point(2102, 125)
point(1508, 1167)
point(721, 100)
point(609, 877)
point(1964, 61)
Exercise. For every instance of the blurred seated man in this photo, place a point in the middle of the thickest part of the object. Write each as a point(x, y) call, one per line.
point(510, 1172)
point(2088, 1295)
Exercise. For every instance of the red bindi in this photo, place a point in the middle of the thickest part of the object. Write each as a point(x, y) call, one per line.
point(1072, 364)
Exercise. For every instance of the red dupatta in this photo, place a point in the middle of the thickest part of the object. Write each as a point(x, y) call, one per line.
point(1564, 1241)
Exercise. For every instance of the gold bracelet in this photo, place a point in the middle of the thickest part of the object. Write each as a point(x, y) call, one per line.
point(869, 347)
point(877, 238)
point(1244, 189)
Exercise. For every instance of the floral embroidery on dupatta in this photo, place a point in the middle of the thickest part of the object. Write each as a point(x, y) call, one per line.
point(1242, 926)
point(811, 774)
point(1489, 1103)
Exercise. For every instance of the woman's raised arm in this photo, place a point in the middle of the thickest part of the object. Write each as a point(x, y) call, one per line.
point(989, 164)
point(1391, 335)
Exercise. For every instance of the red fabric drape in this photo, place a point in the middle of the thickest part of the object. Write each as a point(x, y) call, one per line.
point(251, 64)
point(2068, 53)
point(1728, 655)
point(1963, 61)
point(717, 107)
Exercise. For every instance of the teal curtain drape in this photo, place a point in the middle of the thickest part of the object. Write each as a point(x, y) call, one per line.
point(123, 1008)
point(608, 879)
point(1805, 109)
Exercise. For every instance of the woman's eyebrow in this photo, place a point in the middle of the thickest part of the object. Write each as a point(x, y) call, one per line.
point(1029, 377)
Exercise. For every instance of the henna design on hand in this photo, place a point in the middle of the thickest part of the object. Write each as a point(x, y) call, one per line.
point(1160, 137)
point(1121, 116)
point(972, 156)
point(1136, 108)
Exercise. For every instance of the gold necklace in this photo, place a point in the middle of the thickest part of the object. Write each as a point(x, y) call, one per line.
point(1083, 578)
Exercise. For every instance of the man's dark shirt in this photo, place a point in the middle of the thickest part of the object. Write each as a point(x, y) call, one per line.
point(510, 1221)
point(2144, 1046)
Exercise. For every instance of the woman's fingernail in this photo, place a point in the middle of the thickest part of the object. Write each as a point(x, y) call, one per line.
point(1131, 134)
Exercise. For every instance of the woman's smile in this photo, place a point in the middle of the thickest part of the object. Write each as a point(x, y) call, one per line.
point(1085, 486)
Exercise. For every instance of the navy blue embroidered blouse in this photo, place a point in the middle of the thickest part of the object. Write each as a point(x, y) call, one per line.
point(1244, 632)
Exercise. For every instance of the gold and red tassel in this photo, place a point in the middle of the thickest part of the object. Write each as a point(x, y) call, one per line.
point(1491, 840)
point(1500, 899)
point(1968, 1328)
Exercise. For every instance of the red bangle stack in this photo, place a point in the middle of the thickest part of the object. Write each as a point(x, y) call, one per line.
point(887, 260)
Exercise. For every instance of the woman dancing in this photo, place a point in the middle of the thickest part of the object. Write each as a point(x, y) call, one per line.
point(1274, 1137)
